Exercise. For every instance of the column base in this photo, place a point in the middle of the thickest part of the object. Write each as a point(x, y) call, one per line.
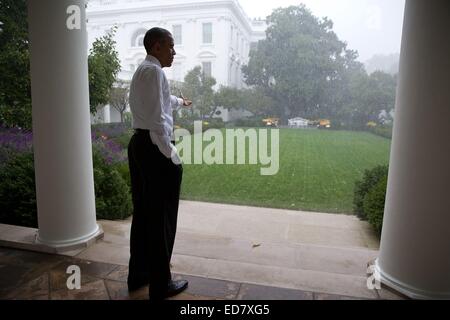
point(409, 291)
point(73, 244)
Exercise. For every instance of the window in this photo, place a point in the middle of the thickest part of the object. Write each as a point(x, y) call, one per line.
point(140, 41)
point(137, 39)
point(206, 67)
point(177, 34)
point(207, 32)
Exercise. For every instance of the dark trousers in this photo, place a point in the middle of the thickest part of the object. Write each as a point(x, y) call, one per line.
point(155, 189)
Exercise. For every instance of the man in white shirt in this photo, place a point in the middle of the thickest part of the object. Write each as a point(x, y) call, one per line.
point(155, 170)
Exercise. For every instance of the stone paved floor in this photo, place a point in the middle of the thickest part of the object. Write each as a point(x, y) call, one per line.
point(39, 276)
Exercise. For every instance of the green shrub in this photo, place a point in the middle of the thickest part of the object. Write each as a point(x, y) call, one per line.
point(112, 194)
point(254, 122)
point(109, 150)
point(124, 139)
point(124, 172)
point(362, 187)
point(374, 204)
point(5, 155)
point(384, 131)
point(188, 124)
point(127, 118)
point(214, 123)
point(110, 130)
point(18, 194)
point(17, 191)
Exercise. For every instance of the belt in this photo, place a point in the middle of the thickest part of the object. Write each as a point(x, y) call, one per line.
point(141, 131)
point(146, 131)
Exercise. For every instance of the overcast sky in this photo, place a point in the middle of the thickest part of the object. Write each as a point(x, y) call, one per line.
point(368, 26)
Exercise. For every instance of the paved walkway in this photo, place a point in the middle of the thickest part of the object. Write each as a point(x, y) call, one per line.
point(227, 252)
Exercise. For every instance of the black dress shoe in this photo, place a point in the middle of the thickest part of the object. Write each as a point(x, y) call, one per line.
point(175, 287)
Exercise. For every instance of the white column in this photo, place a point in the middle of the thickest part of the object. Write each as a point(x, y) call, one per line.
point(415, 244)
point(61, 123)
point(107, 114)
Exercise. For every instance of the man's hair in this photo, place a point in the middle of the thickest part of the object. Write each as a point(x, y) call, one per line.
point(155, 35)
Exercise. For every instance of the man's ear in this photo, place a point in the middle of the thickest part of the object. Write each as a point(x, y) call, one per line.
point(157, 47)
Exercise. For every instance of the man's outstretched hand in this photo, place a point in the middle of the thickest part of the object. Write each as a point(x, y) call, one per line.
point(186, 102)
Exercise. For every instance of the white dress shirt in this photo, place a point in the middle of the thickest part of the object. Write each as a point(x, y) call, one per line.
point(152, 105)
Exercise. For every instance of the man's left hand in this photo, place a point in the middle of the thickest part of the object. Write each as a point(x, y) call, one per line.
point(186, 102)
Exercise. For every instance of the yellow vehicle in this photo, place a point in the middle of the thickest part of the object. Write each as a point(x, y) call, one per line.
point(271, 122)
point(324, 124)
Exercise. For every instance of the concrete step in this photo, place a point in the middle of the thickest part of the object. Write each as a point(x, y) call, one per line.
point(266, 275)
point(309, 251)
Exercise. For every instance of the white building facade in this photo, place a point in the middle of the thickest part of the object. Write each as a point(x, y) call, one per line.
point(214, 34)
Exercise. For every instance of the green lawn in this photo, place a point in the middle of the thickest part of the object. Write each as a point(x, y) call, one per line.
point(317, 172)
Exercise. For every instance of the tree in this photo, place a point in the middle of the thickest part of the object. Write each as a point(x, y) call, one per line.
point(381, 95)
point(228, 97)
point(298, 63)
point(341, 91)
point(119, 98)
point(199, 87)
point(104, 65)
point(253, 100)
point(15, 87)
point(258, 103)
point(366, 97)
